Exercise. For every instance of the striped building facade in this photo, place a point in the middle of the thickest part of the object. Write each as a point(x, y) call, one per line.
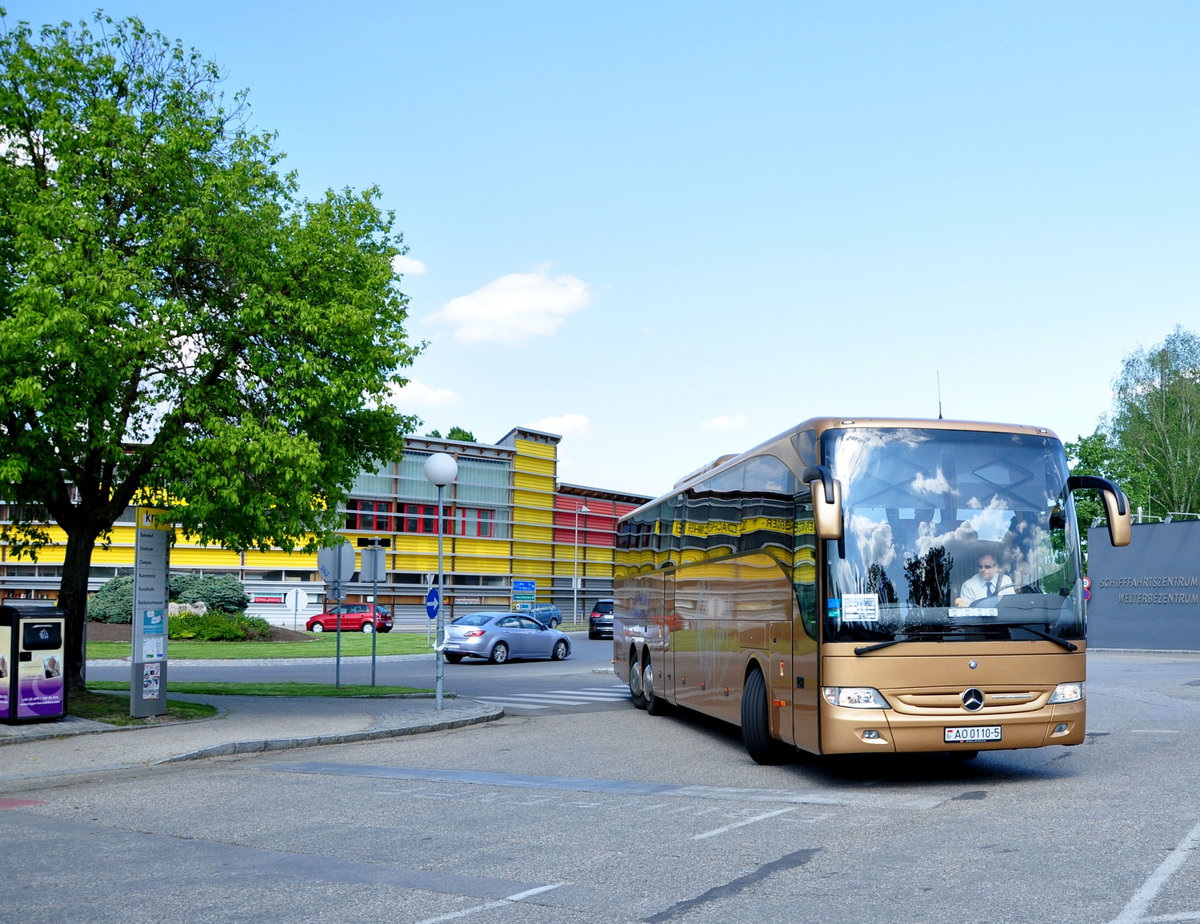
point(505, 518)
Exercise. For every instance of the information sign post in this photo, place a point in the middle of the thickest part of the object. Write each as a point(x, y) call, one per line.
point(524, 594)
point(374, 560)
point(433, 606)
point(336, 565)
point(148, 663)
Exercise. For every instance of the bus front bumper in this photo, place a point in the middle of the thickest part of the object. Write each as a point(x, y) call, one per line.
point(860, 731)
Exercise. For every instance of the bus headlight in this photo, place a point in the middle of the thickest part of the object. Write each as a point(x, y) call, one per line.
point(1067, 693)
point(855, 697)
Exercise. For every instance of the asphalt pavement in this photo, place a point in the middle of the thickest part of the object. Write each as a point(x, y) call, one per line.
point(35, 751)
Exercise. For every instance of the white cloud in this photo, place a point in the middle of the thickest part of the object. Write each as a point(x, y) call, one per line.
point(514, 307)
point(725, 422)
point(564, 425)
point(419, 395)
point(409, 266)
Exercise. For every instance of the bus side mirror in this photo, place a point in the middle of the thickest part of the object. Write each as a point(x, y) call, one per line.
point(1116, 505)
point(1118, 519)
point(827, 501)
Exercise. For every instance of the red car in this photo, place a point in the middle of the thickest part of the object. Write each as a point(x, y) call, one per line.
point(356, 617)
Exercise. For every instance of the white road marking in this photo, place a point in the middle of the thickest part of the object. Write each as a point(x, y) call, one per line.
point(1151, 887)
point(742, 823)
point(518, 897)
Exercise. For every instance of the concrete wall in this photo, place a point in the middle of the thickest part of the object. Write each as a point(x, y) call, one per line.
point(1146, 595)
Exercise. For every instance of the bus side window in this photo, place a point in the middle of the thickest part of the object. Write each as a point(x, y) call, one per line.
point(804, 563)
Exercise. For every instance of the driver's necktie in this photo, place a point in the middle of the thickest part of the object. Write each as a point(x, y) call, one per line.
point(989, 588)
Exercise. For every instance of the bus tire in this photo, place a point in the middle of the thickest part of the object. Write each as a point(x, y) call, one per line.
point(635, 681)
point(756, 731)
point(655, 704)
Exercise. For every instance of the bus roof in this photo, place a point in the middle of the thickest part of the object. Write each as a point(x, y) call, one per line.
point(820, 424)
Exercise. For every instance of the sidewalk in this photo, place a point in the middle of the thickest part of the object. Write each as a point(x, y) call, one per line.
point(32, 753)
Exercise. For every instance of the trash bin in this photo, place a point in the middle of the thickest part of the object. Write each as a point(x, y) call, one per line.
point(32, 687)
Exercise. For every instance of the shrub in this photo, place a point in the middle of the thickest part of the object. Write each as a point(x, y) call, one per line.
point(113, 602)
point(221, 592)
point(218, 627)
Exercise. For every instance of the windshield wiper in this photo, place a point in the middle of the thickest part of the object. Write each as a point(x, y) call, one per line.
point(1070, 646)
point(1028, 627)
point(867, 649)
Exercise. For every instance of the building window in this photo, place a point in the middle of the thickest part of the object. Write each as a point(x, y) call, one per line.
point(418, 518)
point(474, 522)
point(372, 515)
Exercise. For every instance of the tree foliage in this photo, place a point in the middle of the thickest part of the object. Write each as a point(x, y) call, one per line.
point(1157, 422)
point(221, 592)
point(176, 322)
point(1151, 444)
point(113, 602)
point(456, 433)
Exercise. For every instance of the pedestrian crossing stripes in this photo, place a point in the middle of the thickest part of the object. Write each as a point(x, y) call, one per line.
point(533, 702)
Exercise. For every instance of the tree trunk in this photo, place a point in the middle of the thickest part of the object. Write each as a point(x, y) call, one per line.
point(72, 599)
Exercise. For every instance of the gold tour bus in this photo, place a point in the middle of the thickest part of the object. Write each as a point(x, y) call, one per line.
point(867, 586)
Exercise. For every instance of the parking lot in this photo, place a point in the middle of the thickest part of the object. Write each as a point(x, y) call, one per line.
point(614, 815)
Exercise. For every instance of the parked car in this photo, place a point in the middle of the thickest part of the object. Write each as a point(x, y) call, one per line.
point(498, 637)
point(356, 617)
point(547, 614)
point(600, 620)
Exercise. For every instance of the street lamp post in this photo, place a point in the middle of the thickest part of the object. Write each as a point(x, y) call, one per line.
point(441, 470)
point(575, 573)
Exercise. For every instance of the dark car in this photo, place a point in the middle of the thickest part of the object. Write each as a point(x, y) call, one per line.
point(600, 621)
point(547, 614)
point(356, 617)
point(498, 637)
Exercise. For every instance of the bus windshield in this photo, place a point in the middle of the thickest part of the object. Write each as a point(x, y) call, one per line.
point(951, 536)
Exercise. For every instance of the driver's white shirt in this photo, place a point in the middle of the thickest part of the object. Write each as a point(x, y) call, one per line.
point(975, 588)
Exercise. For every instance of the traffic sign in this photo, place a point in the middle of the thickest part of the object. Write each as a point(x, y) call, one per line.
point(373, 566)
point(295, 600)
point(336, 563)
point(433, 602)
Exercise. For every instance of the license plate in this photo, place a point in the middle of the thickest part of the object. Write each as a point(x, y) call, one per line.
point(972, 734)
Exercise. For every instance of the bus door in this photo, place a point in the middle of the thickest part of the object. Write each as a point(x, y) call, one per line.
point(665, 653)
point(805, 674)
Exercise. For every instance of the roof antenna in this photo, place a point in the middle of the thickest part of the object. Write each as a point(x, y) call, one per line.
point(939, 383)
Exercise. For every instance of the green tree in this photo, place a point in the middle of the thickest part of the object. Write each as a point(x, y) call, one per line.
point(176, 322)
point(113, 602)
point(456, 433)
point(1156, 424)
point(221, 592)
point(1099, 454)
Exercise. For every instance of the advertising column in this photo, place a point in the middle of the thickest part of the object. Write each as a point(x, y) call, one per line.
point(148, 672)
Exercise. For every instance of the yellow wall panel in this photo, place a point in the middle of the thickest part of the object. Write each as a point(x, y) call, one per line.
point(539, 534)
point(538, 450)
point(542, 487)
point(192, 557)
point(544, 467)
point(113, 555)
point(276, 558)
point(471, 564)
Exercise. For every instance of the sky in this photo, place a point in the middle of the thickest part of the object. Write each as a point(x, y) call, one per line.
point(669, 231)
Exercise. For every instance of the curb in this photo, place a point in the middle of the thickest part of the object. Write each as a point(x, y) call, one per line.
point(372, 734)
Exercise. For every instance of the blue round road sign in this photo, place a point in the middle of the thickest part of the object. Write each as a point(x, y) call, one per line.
point(433, 602)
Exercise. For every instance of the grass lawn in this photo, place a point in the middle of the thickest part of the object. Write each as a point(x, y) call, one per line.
point(212, 688)
point(114, 710)
point(354, 645)
point(102, 701)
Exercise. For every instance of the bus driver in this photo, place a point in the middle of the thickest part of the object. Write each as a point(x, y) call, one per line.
point(987, 583)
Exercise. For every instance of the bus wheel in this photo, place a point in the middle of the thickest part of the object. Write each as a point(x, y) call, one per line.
point(756, 733)
point(655, 705)
point(635, 682)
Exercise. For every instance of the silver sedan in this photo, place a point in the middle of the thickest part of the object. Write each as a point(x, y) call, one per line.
point(497, 637)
